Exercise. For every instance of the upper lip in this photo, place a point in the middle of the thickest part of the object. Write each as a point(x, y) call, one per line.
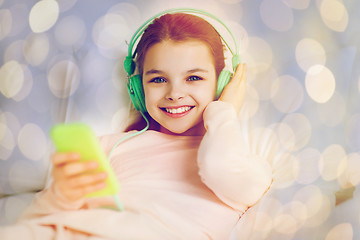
point(175, 107)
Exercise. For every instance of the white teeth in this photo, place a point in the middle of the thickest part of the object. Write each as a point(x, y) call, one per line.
point(177, 110)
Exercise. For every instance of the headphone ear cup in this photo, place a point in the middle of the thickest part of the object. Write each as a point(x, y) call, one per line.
point(223, 80)
point(136, 93)
point(129, 65)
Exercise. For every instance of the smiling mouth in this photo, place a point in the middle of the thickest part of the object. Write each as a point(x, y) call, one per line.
point(177, 110)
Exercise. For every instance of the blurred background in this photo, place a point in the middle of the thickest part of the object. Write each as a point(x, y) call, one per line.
point(62, 61)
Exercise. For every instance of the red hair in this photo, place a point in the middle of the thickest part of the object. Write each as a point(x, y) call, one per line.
point(180, 27)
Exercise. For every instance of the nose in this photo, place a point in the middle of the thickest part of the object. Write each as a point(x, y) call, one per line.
point(175, 92)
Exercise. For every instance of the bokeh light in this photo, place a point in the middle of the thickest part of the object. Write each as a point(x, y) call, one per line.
point(317, 204)
point(265, 138)
point(27, 84)
point(12, 122)
point(285, 224)
point(352, 174)
point(334, 14)
point(11, 79)
point(299, 211)
point(130, 12)
point(267, 212)
point(287, 170)
point(31, 141)
point(64, 78)
point(241, 36)
point(343, 231)
point(285, 136)
point(309, 52)
point(287, 94)
point(258, 54)
point(320, 83)
point(331, 164)
point(301, 127)
point(264, 223)
point(43, 15)
point(262, 81)
point(7, 141)
point(251, 103)
point(36, 48)
point(109, 33)
point(14, 51)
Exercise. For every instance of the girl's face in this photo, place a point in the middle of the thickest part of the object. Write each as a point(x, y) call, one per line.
point(179, 81)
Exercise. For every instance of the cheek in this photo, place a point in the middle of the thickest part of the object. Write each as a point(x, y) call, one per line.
point(148, 99)
point(211, 91)
point(205, 97)
point(151, 98)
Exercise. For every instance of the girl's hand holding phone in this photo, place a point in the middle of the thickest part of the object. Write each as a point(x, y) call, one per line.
point(234, 91)
point(74, 178)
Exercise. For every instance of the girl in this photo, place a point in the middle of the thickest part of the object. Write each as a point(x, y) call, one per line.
point(190, 176)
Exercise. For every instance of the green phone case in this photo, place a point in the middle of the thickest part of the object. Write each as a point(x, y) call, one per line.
point(79, 138)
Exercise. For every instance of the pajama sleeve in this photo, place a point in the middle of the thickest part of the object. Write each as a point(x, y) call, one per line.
point(238, 176)
point(47, 202)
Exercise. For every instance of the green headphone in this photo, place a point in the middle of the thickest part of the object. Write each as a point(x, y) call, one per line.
point(135, 86)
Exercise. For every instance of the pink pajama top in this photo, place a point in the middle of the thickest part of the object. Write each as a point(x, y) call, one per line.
point(172, 187)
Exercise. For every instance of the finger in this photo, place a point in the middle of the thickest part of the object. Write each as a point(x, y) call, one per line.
point(240, 73)
point(87, 179)
point(78, 168)
point(62, 158)
point(83, 191)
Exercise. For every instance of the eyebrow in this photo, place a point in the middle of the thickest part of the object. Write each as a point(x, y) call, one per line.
point(155, 71)
point(197, 70)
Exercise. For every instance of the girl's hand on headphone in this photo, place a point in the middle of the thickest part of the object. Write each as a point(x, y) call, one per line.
point(74, 178)
point(234, 91)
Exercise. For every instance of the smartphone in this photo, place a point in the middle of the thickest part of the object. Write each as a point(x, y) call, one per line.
point(79, 138)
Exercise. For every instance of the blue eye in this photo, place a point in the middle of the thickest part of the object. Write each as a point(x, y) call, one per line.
point(158, 80)
point(194, 78)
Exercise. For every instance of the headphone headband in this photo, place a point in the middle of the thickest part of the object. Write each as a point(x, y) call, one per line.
point(130, 65)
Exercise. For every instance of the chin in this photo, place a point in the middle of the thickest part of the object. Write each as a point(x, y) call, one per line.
point(173, 131)
point(194, 131)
